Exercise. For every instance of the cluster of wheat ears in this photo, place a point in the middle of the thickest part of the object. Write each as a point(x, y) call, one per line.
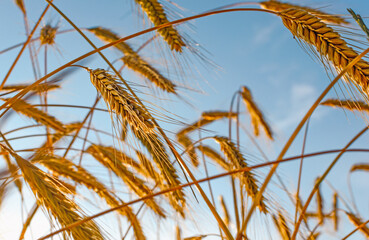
point(143, 171)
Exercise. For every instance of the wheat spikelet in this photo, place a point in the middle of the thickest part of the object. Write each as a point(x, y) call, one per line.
point(225, 210)
point(357, 222)
point(257, 118)
point(47, 35)
point(347, 104)
point(156, 148)
point(329, 44)
point(362, 167)
point(38, 115)
point(48, 194)
point(213, 155)
point(282, 226)
point(186, 142)
point(39, 88)
point(281, 6)
point(238, 161)
point(156, 14)
point(335, 211)
point(21, 6)
point(137, 64)
point(136, 184)
point(120, 101)
point(216, 115)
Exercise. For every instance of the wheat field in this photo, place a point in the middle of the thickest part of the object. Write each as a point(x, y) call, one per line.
point(185, 120)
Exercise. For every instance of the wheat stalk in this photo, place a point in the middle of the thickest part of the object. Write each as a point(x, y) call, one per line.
point(281, 6)
point(120, 101)
point(238, 161)
point(329, 44)
point(47, 35)
point(347, 104)
point(257, 118)
point(38, 115)
point(156, 14)
point(48, 194)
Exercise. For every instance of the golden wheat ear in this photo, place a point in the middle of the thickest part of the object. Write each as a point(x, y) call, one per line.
point(120, 101)
point(329, 44)
point(154, 10)
point(347, 104)
point(237, 161)
point(134, 61)
point(278, 6)
point(47, 35)
point(49, 194)
point(257, 117)
point(36, 114)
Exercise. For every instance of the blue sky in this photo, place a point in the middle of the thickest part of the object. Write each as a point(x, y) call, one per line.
point(247, 48)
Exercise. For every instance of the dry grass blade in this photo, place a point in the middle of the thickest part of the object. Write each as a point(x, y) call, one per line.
point(65, 168)
point(120, 101)
point(329, 44)
point(134, 61)
point(347, 104)
point(213, 155)
point(186, 142)
point(137, 64)
point(358, 222)
point(238, 161)
point(38, 115)
point(281, 6)
point(156, 14)
point(335, 211)
point(48, 194)
point(281, 224)
point(47, 35)
point(257, 118)
point(216, 115)
point(362, 167)
point(225, 211)
point(134, 183)
point(320, 204)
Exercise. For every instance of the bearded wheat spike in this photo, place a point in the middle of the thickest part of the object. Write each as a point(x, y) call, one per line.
point(238, 161)
point(257, 118)
point(157, 16)
point(47, 35)
point(358, 222)
point(281, 6)
point(48, 194)
point(134, 61)
point(38, 115)
point(329, 44)
point(135, 183)
point(120, 101)
point(347, 104)
point(216, 115)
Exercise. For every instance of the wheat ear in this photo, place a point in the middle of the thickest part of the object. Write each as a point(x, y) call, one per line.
point(36, 114)
point(47, 35)
point(257, 118)
point(48, 194)
point(134, 61)
point(238, 161)
point(347, 104)
point(329, 44)
point(156, 14)
point(216, 115)
point(120, 101)
point(362, 167)
point(358, 222)
point(281, 6)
